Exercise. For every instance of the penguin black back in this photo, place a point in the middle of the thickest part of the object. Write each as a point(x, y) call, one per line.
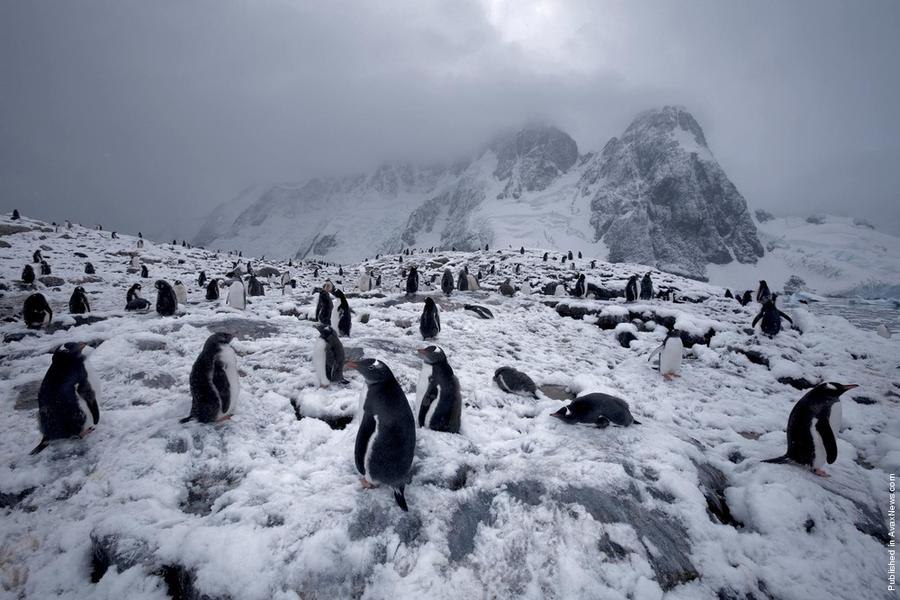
point(430, 321)
point(166, 300)
point(344, 314)
point(78, 302)
point(447, 282)
point(36, 311)
point(89, 269)
point(213, 380)
point(324, 308)
point(212, 289)
point(512, 381)
point(646, 287)
point(28, 274)
point(412, 281)
point(440, 404)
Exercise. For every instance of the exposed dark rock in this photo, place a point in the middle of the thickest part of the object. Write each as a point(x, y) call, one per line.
point(713, 483)
point(111, 550)
point(12, 499)
point(205, 487)
point(464, 524)
point(625, 338)
point(799, 383)
point(245, 329)
point(52, 281)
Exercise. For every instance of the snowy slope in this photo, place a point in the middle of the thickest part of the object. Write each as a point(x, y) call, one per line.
point(836, 256)
point(269, 506)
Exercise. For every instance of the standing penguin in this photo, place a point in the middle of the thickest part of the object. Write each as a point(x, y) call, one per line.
point(365, 281)
point(512, 381)
point(438, 397)
point(546, 256)
point(215, 385)
point(771, 317)
point(328, 357)
point(144, 272)
point(285, 280)
point(631, 291)
point(763, 293)
point(746, 298)
point(813, 426)
point(140, 244)
point(255, 287)
point(507, 289)
point(237, 295)
point(462, 282)
point(570, 255)
point(430, 321)
point(447, 282)
point(579, 289)
point(341, 317)
point(36, 257)
point(471, 283)
point(180, 292)
point(201, 279)
point(412, 281)
point(67, 400)
point(45, 267)
point(89, 269)
point(166, 301)
point(670, 354)
point(386, 440)
point(36, 311)
point(133, 300)
point(78, 302)
point(646, 287)
point(728, 294)
point(28, 275)
point(324, 308)
point(212, 289)
point(15, 215)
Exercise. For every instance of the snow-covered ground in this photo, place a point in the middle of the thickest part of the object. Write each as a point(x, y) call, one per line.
point(519, 505)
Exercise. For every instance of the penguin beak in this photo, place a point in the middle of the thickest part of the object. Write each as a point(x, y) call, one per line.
point(81, 346)
point(560, 414)
point(849, 386)
point(422, 351)
point(351, 365)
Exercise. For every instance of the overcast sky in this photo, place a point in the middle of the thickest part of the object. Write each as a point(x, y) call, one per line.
point(146, 114)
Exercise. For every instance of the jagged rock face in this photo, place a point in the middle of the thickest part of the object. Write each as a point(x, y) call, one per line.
point(660, 198)
point(532, 159)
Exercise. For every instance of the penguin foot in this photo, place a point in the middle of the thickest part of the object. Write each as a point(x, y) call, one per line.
point(86, 432)
point(820, 473)
point(367, 485)
point(223, 418)
point(667, 376)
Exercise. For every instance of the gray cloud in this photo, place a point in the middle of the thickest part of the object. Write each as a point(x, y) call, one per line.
point(144, 115)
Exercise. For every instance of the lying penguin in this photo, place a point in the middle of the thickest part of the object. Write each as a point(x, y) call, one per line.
point(597, 409)
point(512, 381)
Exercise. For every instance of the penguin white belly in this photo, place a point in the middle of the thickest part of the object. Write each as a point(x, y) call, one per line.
point(368, 456)
point(434, 403)
point(335, 316)
point(235, 297)
point(422, 387)
point(88, 417)
point(473, 283)
point(818, 446)
point(670, 358)
point(180, 294)
point(229, 360)
point(319, 361)
point(559, 291)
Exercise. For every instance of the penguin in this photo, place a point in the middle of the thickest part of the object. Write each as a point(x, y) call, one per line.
point(670, 353)
point(78, 302)
point(438, 397)
point(201, 280)
point(579, 289)
point(68, 224)
point(144, 272)
point(180, 292)
point(386, 439)
point(365, 281)
point(771, 317)
point(563, 259)
point(728, 294)
point(462, 282)
point(412, 282)
point(763, 293)
point(646, 287)
point(447, 282)
point(135, 262)
point(494, 269)
point(430, 321)
point(341, 271)
point(255, 287)
point(285, 280)
point(579, 254)
point(631, 292)
point(328, 286)
point(522, 250)
point(237, 295)
point(328, 357)
point(140, 244)
point(89, 269)
point(341, 317)
point(15, 215)
point(36, 257)
point(472, 283)
point(215, 385)
point(133, 300)
point(593, 264)
point(166, 301)
point(36, 311)
point(140, 235)
point(512, 381)
point(378, 281)
point(597, 409)
point(570, 255)
point(746, 298)
point(28, 275)
point(546, 256)
point(882, 330)
point(67, 399)
point(324, 308)
point(812, 427)
point(45, 267)
point(478, 311)
point(507, 289)
point(114, 235)
point(212, 289)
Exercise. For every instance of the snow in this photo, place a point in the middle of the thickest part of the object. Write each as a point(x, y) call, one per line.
point(269, 506)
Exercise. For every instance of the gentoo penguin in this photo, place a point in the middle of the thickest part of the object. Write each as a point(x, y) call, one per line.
point(494, 269)
point(201, 280)
point(144, 272)
point(812, 427)
point(563, 259)
point(15, 215)
point(478, 311)
point(237, 295)
point(378, 281)
point(214, 381)
point(365, 281)
point(507, 289)
point(114, 235)
point(386, 440)
point(285, 280)
point(28, 275)
point(412, 281)
point(78, 302)
point(324, 308)
point(438, 398)
point(45, 267)
point(579, 290)
point(670, 355)
point(631, 291)
point(212, 289)
point(140, 244)
point(522, 250)
point(728, 294)
point(67, 400)
point(341, 316)
point(486, 247)
point(36, 311)
point(135, 262)
point(597, 409)
point(255, 287)
point(546, 256)
point(328, 357)
point(882, 330)
point(763, 293)
point(37, 257)
point(447, 282)
point(579, 254)
point(746, 298)
point(570, 255)
point(180, 292)
point(512, 381)
point(133, 300)
point(472, 283)
point(593, 264)
point(89, 269)
point(328, 286)
point(430, 321)
point(646, 287)
point(341, 271)
point(166, 301)
point(771, 317)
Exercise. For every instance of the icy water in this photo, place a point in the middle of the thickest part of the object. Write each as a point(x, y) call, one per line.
point(865, 314)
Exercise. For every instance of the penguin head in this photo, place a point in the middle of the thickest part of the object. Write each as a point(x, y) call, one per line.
point(161, 284)
point(429, 303)
point(373, 371)
point(70, 351)
point(432, 354)
point(79, 290)
point(220, 338)
point(830, 390)
point(324, 331)
point(177, 282)
point(136, 287)
point(564, 413)
point(340, 295)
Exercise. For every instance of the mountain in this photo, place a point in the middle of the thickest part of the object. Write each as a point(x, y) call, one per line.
point(655, 196)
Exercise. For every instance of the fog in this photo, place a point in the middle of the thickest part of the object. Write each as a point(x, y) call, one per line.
point(146, 115)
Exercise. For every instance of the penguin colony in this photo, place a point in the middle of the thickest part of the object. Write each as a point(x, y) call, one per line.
point(69, 403)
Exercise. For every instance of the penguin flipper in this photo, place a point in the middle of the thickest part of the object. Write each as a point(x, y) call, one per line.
point(86, 392)
point(777, 461)
point(635, 421)
point(40, 447)
point(222, 386)
point(824, 429)
point(400, 497)
point(363, 438)
point(186, 419)
point(784, 316)
point(655, 352)
point(756, 320)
